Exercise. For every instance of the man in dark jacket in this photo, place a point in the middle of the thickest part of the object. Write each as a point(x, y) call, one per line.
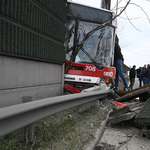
point(146, 75)
point(118, 61)
point(132, 77)
point(140, 75)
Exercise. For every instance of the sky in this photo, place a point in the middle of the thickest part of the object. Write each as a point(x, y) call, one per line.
point(133, 33)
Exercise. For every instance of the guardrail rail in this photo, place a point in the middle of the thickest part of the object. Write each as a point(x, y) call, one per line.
point(21, 115)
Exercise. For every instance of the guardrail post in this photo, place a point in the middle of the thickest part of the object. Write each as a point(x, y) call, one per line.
point(31, 132)
point(30, 127)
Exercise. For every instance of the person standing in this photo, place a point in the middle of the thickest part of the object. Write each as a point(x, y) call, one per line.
point(146, 76)
point(118, 61)
point(141, 80)
point(140, 75)
point(138, 71)
point(132, 77)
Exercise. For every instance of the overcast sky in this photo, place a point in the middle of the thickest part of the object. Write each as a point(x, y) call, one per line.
point(134, 41)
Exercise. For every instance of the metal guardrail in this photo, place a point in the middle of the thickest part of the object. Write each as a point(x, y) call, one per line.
point(18, 116)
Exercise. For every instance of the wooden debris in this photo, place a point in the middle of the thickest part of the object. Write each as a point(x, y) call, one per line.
point(143, 94)
point(122, 117)
point(130, 108)
point(137, 113)
point(122, 93)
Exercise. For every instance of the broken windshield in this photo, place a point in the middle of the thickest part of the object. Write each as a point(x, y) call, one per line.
point(97, 48)
point(99, 45)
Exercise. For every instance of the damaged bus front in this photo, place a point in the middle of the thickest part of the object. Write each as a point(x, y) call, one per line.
point(89, 47)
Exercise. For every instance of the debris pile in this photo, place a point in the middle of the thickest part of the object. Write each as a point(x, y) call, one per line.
point(133, 106)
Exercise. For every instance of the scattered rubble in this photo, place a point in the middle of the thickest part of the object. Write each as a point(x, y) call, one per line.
point(129, 122)
point(124, 137)
point(135, 111)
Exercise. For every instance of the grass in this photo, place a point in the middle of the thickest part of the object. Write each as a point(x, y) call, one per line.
point(67, 130)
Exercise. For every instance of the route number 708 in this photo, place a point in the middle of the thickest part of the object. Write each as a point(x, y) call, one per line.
point(90, 68)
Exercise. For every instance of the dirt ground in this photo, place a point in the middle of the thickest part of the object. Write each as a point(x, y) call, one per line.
point(123, 136)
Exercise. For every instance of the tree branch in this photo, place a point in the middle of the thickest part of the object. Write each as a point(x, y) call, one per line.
point(131, 22)
point(114, 8)
point(130, 18)
point(91, 32)
point(142, 10)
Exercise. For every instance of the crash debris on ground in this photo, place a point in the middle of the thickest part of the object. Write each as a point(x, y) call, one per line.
point(129, 121)
point(132, 107)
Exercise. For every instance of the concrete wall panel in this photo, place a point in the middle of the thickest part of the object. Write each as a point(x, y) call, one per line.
point(14, 96)
point(16, 73)
point(22, 77)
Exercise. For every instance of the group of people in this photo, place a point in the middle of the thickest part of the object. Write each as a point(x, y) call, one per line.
point(143, 73)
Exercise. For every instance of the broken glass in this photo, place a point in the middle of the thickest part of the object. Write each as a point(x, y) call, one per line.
point(97, 49)
point(99, 45)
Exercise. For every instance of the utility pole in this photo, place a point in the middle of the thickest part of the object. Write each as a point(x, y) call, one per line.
point(105, 4)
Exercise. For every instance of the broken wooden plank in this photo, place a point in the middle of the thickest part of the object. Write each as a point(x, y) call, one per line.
point(119, 111)
point(130, 108)
point(122, 117)
point(122, 93)
point(144, 93)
